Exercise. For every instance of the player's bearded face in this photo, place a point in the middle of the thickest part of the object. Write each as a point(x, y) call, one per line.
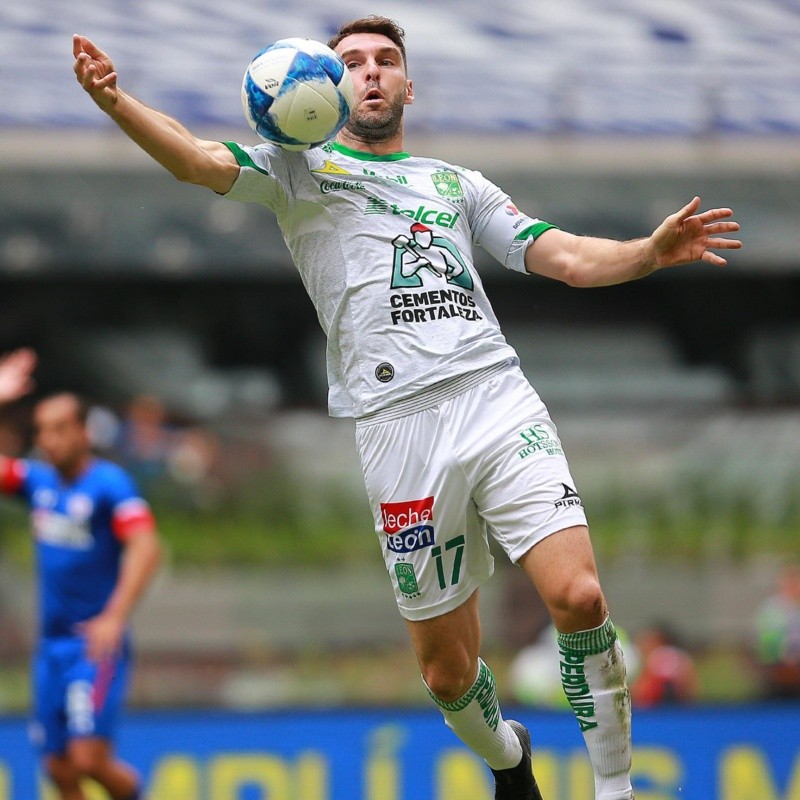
point(377, 123)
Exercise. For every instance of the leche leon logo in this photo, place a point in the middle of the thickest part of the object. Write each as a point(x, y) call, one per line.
point(408, 525)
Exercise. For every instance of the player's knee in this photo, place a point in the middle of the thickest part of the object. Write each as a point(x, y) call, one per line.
point(62, 772)
point(449, 681)
point(89, 762)
point(579, 601)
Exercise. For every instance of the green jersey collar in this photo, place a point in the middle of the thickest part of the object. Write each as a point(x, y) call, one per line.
point(362, 156)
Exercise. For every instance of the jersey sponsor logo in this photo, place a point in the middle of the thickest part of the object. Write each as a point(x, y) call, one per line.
point(447, 184)
point(326, 187)
point(384, 372)
point(432, 305)
point(329, 168)
point(401, 179)
point(411, 540)
point(80, 506)
point(408, 525)
point(511, 210)
point(423, 214)
point(59, 530)
point(428, 216)
point(538, 439)
point(569, 499)
point(44, 498)
point(423, 250)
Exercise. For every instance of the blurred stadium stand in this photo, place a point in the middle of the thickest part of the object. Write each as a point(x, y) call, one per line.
point(597, 66)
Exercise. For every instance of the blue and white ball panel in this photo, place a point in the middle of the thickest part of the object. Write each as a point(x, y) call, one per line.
point(297, 93)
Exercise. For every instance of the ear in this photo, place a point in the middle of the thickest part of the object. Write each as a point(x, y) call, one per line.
point(409, 93)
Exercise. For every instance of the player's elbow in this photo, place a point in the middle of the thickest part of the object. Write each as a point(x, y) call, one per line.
point(210, 169)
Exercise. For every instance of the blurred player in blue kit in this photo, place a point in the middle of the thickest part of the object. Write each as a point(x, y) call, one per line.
point(455, 444)
point(96, 551)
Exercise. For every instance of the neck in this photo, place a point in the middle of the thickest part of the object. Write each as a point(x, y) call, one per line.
point(384, 147)
point(74, 469)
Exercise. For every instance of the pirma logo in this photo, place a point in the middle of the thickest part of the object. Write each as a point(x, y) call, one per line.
point(384, 372)
point(570, 498)
point(408, 525)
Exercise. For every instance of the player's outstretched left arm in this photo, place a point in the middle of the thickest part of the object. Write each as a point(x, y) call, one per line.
point(683, 237)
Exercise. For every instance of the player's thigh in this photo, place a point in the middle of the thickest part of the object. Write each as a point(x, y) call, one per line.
point(90, 755)
point(48, 729)
point(433, 540)
point(563, 569)
point(523, 486)
point(95, 694)
point(450, 637)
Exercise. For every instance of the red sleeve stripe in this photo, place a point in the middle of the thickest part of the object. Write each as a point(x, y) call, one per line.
point(12, 475)
point(132, 517)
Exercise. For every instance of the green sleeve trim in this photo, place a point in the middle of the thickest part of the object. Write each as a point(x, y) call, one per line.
point(243, 158)
point(535, 230)
point(589, 643)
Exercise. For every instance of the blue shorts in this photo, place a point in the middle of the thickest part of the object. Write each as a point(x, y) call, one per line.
point(75, 697)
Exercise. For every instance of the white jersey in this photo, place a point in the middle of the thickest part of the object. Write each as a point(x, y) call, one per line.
point(384, 248)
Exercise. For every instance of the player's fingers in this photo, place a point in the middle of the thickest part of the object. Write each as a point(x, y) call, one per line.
point(724, 244)
point(715, 213)
point(721, 227)
point(104, 82)
point(688, 209)
point(91, 48)
point(77, 46)
point(713, 258)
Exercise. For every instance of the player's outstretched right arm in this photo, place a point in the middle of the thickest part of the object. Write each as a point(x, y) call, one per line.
point(188, 158)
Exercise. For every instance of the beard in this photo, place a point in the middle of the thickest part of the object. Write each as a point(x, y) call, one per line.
point(377, 126)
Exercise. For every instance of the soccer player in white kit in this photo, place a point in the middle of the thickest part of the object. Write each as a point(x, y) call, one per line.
point(455, 444)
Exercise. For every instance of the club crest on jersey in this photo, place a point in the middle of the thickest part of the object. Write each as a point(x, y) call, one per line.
point(424, 251)
point(447, 184)
point(408, 525)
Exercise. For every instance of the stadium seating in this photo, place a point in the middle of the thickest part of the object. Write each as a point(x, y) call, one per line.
point(596, 66)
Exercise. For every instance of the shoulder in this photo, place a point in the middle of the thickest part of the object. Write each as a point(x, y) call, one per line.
point(109, 474)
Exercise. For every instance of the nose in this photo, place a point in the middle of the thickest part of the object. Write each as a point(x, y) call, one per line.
point(371, 70)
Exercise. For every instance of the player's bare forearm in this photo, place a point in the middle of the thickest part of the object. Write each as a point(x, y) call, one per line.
point(681, 238)
point(104, 632)
point(140, 561)
point(187, 157)
point(172, 145)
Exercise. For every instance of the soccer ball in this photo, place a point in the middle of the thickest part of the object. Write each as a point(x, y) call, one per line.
point(297, 93)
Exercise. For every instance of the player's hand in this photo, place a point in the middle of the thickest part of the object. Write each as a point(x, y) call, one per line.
point(16, 374)
point(103, 635)
point(687, 236)
point(95, 72)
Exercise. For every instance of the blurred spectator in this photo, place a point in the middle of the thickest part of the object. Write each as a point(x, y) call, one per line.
point(535, 673)
point(146, 441)
point(668, 675)
point(777, 627)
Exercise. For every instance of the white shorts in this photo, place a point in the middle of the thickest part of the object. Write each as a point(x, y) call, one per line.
point(485, 461)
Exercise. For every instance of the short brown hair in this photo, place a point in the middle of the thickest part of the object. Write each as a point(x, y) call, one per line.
point(372, 24)
point(80, 402)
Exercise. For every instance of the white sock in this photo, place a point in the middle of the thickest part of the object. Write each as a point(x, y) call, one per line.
point(593, 676)
point(476, 719)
